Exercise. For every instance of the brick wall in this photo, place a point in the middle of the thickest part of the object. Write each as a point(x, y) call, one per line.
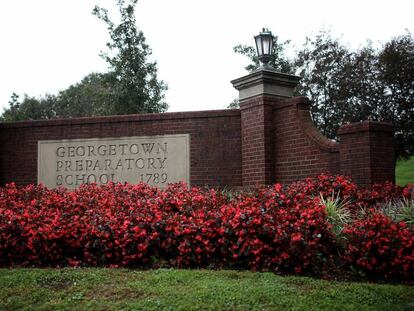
point(268, 140)
point(300, 149)
point(215, 142)
point(366, 152)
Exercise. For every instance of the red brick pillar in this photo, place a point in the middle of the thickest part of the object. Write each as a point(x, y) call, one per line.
point(366, 152)
point(257, 141)
point(259, 92)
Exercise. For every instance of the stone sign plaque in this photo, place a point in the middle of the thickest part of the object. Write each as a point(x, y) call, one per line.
point(156, 160)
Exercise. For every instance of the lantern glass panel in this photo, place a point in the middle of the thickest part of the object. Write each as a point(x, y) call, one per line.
point(267, 45)
point(259, 45)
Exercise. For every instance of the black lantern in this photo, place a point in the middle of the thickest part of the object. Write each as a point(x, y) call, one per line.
point(264, 44)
